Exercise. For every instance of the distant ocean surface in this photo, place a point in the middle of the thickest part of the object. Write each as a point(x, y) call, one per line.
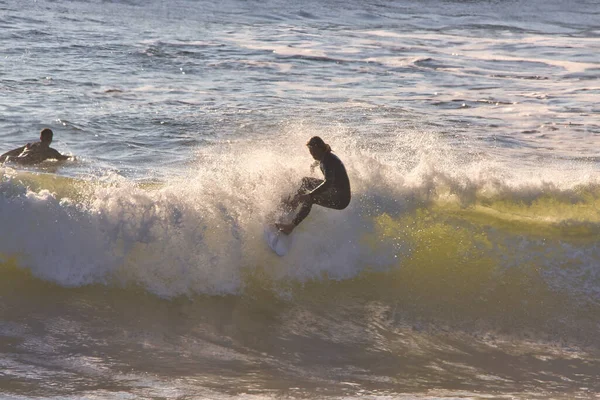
point(467, 265)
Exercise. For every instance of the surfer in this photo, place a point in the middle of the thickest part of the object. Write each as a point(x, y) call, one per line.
point(33, 153)
point(333, 192)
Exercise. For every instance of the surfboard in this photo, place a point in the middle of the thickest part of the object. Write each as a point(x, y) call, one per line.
point(279, 242)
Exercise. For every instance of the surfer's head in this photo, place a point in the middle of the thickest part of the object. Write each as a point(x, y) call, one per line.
point(317, 147)
point(46, 136)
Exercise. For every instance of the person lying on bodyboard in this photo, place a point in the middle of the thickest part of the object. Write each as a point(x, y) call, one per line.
point(34, 153)
point(332, 192)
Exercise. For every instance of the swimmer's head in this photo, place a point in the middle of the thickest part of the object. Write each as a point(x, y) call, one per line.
point(46, 135)
point(317, 147)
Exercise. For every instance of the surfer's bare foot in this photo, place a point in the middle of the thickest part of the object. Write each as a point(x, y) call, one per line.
point(285, 228)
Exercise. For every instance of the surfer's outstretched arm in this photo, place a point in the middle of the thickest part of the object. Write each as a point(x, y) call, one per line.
point(56, 155)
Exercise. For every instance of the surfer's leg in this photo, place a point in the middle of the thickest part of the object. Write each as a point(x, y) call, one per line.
point(331, 199)
point(307, 184)
point(305, 208)
point(327, 199)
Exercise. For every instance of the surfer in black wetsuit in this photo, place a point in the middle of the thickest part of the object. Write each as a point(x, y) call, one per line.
point(34, 153)
point(333, 192)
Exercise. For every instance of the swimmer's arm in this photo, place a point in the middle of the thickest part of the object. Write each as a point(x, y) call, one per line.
point(12, 153)
point(58, 156)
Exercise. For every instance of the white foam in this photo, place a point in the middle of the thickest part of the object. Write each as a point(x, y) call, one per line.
point(202, 231)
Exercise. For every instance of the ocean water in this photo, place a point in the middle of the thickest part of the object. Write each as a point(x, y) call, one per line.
point(467, 265)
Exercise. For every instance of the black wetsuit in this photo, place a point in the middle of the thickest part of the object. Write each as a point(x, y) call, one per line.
point(32, 153)
point(333, 192)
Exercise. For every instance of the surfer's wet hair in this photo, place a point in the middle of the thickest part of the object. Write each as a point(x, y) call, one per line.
point(46, 135)
point(317, 142)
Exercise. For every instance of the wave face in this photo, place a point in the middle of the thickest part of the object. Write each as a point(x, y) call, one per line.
point(465, 229)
